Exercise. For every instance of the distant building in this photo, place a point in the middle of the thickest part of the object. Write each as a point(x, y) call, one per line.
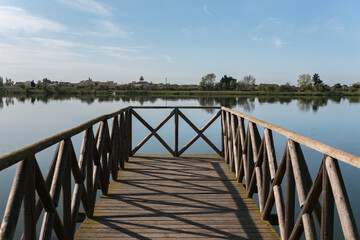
point(87, 82)
point(27, 84)
point(139, 83)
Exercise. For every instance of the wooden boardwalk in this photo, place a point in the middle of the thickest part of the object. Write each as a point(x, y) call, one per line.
point(159, 196)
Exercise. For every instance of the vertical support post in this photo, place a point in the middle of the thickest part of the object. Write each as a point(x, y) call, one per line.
point(176, 141)
point(130, 131)
point(327, 210)
point(222, 132)
point(289, 198)
point(29, 203)
point(341, 198)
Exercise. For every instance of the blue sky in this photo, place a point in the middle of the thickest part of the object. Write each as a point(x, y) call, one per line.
point(182, 40)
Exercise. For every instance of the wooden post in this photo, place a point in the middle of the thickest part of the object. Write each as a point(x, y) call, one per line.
point(29, 203)
point(222, 133)
point(129, 129)
point(176, 140)
point(347, 220)
point(289, 199)
point(66, 199)
point(327, 213)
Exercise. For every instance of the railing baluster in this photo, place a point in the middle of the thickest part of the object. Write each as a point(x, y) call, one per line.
point(327, 213)
point(225, 136)
point(242, 154)
point(275, 195)
point(14, 202)
point(66, 199)
point(289, 199)
point(235, 143)
point(47, 202)
point(301, 187)
point(113, 147)
point(305, 220)
point(122, 147)
point(49, 217)
point(341, 199)
point(29, 203)
point(176, 132)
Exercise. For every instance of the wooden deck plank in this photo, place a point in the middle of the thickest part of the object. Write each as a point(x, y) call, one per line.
point(159, 196)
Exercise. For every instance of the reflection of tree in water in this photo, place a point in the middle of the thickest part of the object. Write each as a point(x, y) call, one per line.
point(315, 103)
point(353, 99)
point(274, 99)
point(207, 102)
point(246, 103)
point(6, 102)
point(336, 99)
point(217, 101)
point(319, 102)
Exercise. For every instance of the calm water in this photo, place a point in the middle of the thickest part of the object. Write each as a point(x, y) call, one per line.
point(331, 121)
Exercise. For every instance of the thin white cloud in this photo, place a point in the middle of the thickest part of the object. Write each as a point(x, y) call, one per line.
point(109, 29)
point(25, 50)
point(278, 42)
point(257, 39)
point(15, 20)
point(206, 10)
point(30, 54)
point(169, 59)
point(333, 25)
point(55, 43)
point(87, 6)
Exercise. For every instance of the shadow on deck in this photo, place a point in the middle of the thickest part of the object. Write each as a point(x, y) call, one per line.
point(159, 196)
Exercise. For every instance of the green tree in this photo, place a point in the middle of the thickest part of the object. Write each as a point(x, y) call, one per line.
point(247, 82)
point(228, 82)
point(304, 80)
point(8, 82)
point(1, 81)
point(207, 82)
point(45, 80)
point(321, 87)
point(316, 79)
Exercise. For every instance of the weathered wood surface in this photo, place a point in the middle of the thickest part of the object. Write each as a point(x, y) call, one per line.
point(159, 196)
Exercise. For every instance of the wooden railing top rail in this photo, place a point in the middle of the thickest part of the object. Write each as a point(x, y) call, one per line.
point(308, 142)
point(16, 156)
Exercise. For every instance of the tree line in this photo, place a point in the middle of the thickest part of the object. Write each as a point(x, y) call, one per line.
point(305, 83)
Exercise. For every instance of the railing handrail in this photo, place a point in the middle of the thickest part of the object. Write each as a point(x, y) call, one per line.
point(308, 142)
point(16, 156)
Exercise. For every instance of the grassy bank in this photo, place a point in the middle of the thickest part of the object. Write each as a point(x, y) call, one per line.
point(174, 93)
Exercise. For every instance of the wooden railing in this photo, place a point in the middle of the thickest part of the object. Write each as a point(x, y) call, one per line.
point(253, 159)
point(101, 154)
point(249, 155)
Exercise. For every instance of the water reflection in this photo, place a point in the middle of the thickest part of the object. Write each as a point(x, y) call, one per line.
point(304, 104)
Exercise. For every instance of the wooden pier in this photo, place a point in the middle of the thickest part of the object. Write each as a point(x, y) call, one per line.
point(162, 197)
point(177, 195)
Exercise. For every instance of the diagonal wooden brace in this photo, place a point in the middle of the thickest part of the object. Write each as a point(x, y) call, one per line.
point(153, 132)
point(199, 133)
